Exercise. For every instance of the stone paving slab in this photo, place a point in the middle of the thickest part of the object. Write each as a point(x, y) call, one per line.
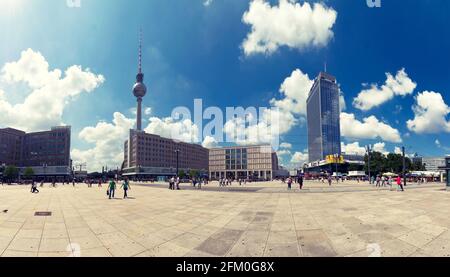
point(265, 221)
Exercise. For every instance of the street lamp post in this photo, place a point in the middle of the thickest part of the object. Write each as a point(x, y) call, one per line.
point(369, 150)
point(404, 166)
point(177, 151)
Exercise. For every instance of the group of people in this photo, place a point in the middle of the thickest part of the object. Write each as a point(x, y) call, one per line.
point(291, 180)
point(174, 183)
point(112, 188)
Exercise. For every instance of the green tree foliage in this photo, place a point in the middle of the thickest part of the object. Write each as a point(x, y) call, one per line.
point(11, 173)
point(28, 173)
point(379, 163)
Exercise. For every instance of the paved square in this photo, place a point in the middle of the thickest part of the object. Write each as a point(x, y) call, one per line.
point(254, 220)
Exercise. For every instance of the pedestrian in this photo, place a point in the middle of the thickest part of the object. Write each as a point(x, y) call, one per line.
point(330, 180)
point(100, 183)
point(34, 187)
point(111, 188)
point(42, 183)
point(300, 181)
point(73, 182)
point(289, 183)
point(171, 183)
point(399, 183)
point(178, 183)
point(126, 187)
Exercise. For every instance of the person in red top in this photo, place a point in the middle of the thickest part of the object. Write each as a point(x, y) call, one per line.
point(399, 182)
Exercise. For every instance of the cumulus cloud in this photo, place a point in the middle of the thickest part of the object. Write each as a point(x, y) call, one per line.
point(353, 148)
point(299, 158)
point(108, 140)
point(183, 130)
point(279, 118)
point(380, 147)
point(369, 128)
point(400, 85)
point(295, 90)
point(430, 114)
point(285, 145)
point(290, 24)
point(209, 142)
point(50, 91)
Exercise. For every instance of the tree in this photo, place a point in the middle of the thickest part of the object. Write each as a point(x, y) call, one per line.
point(11, 173)
point(193, 173)
point(377, 163)
point(28, 173)
point(181, 174)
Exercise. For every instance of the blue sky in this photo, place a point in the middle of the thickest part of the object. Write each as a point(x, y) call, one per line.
point(193, 50)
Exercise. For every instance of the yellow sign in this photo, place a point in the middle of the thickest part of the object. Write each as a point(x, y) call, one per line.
point(333, 159)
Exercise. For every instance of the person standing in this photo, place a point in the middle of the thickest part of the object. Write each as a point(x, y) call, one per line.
point(100, 183)
point(112, 188)
point(399, 183)
point(300, 181)
point(289, 182)
point(178, 183)
point(171, 183)
point(330, 180)
point(126, 187)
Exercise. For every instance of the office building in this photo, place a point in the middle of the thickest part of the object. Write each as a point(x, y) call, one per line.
point(241, 162)
point(433, 163)
point(46, 152)
point(323, 118)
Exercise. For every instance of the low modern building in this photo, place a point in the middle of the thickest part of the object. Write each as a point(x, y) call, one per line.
point(153, 156)
point(46, 152)
point(241, 162)
point(433, 163)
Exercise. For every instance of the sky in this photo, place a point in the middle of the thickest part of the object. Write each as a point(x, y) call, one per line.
point(74, 63)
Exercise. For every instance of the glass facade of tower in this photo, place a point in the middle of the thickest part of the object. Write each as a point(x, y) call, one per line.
point(324, 134)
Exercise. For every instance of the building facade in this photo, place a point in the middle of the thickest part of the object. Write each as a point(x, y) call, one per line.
point(152, 156)
point(433, 163)
point(241, 162)
point(47, 152)
point(323, 116)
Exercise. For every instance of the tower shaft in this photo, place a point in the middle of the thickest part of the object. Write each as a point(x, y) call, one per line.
point(139, 114)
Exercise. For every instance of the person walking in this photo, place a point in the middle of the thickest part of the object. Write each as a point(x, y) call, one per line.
point(289, 183)
point(100, 183)
point(126, 187)
point(300, 181)
point(34, 187)
point(111, 188)
point(178, 183)
point(330, 180)
point(399, 183)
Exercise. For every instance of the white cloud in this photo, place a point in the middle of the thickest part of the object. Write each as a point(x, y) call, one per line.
point(398, 150)
point(380, 147)
point(369, 128)
point(206, 3)
point(400, 85)
point(285, 145)
point(108, 139)
point(295, 90)
point(184, 130)
point(50, 93)
point(430, 114)
point(353, 148)
point(290, 24)
point(209, 142)
point(280, 118)
point(299, 158)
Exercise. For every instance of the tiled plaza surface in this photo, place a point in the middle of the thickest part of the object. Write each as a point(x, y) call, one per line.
point(265, 222)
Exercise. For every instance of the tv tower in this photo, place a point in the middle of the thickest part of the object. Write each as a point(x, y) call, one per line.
point(139, 89)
